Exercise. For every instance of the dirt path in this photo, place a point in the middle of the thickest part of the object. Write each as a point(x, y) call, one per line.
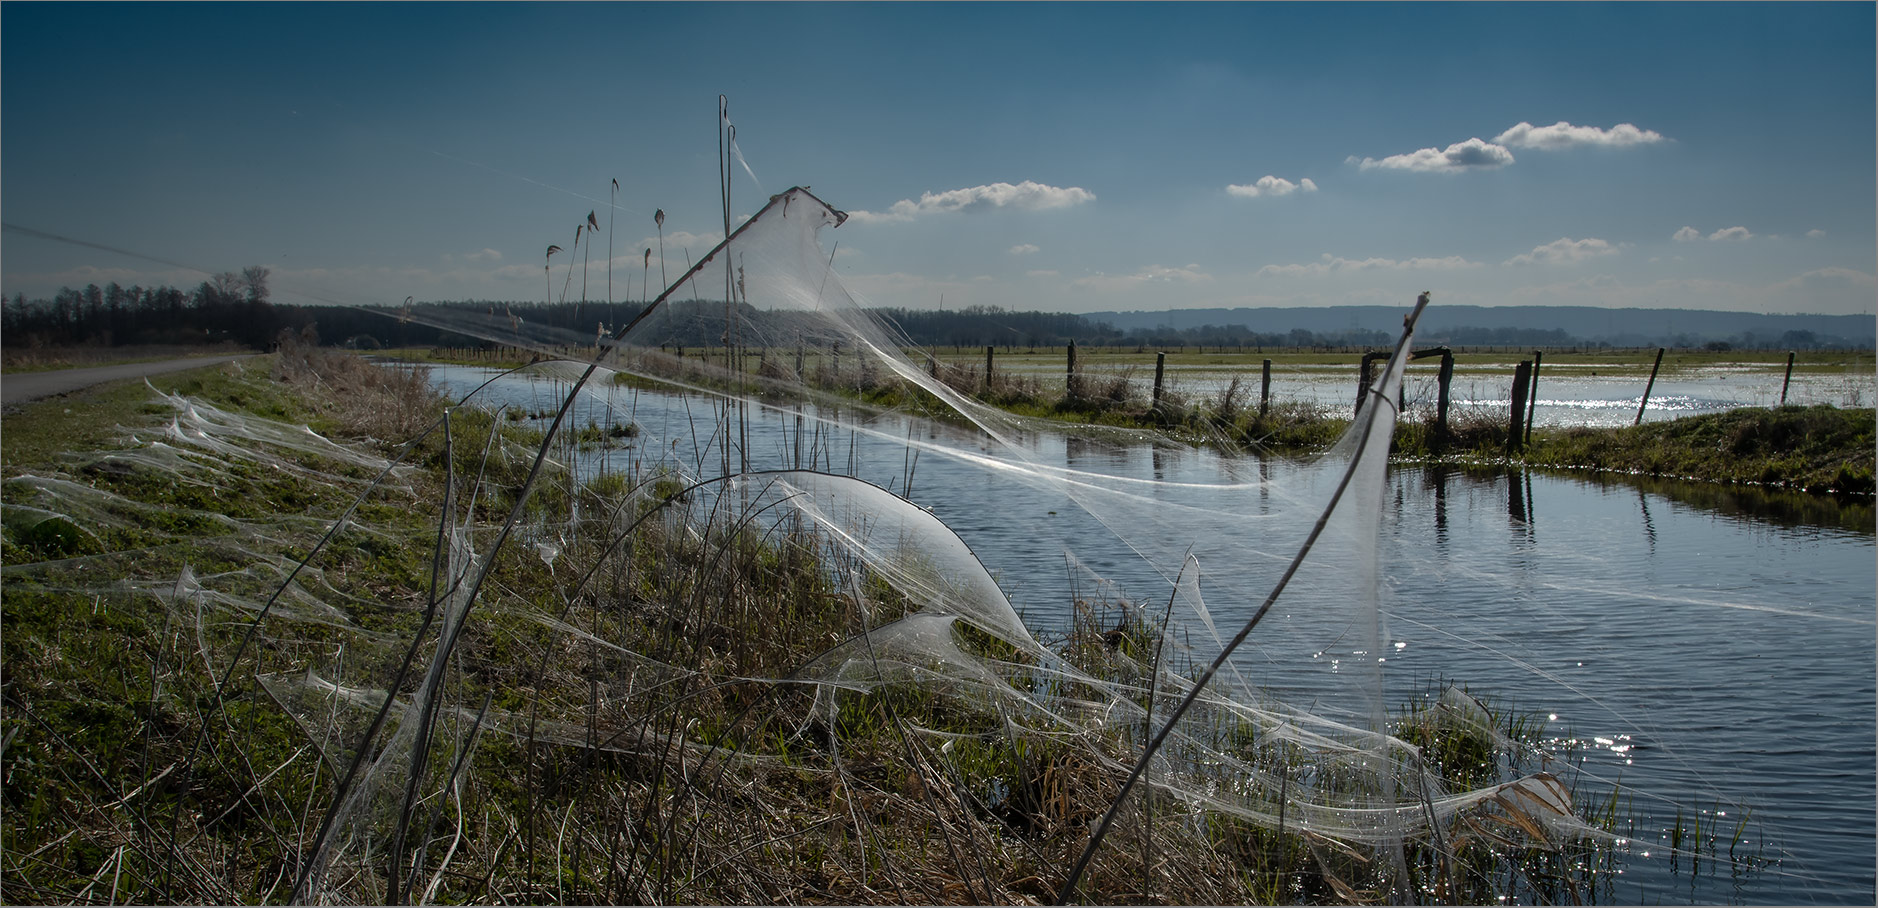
point(22, 387)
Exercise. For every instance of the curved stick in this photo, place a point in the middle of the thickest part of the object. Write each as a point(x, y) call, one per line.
point(1141, 765)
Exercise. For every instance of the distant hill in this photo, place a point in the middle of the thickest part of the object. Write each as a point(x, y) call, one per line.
point(1551, 325)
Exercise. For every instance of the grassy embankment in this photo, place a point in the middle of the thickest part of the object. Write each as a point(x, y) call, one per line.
point(1819, 449)
point(144, 763)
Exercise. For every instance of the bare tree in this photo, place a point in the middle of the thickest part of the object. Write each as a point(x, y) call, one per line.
point(254, 278)
point(227, 285)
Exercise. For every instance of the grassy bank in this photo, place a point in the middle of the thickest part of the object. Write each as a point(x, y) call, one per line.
point(622, 715)
point(1820, 449)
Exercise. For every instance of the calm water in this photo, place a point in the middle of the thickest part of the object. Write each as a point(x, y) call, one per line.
point(1708, 650)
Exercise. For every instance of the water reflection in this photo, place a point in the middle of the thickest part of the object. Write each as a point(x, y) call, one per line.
point(1436, 477)
point(1744, 505)
point(1516, 498)
point(1753, 504)
point(1649, 526)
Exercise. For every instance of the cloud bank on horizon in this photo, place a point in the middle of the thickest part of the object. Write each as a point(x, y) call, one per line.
point(1147, 165)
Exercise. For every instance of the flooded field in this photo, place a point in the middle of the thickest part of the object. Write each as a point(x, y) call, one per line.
point(1699, 655)
point(1573, 390)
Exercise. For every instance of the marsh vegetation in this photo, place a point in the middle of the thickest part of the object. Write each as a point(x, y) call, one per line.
point(311, 631)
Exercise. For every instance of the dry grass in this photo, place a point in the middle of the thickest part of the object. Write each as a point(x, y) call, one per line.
point(390, 402)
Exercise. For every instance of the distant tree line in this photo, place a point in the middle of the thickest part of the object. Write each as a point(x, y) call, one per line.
point(235, 307)
point(227, 306)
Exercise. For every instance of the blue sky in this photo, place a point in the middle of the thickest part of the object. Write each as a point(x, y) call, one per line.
point(1063, 156)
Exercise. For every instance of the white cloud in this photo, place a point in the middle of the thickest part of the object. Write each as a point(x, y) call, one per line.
point(1152, 274)
point(1025, 249)
point(1724, 235)
point(1564, 135)
point(1564, 251)
point(1329, 263)
point(1815, 233)
point(487, 255)
point(1025, 196)
point(1472, 154)
point(1269, 185)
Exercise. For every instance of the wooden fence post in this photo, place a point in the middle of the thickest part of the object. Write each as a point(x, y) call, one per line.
point(1788, 380)
point(1362, 384)
point(1522, 375)
point(1532, 399)
point(1265, 389)
point(1070, 375)
point(1160, 369)
point(1441, 398)
point(987, 368)
point(1646, 388)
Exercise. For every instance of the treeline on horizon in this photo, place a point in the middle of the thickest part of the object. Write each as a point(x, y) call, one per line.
point(236, 307)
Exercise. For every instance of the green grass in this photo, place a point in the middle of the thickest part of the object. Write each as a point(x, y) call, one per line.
point(1819, 449)
point(89, 419)
point(108, 697)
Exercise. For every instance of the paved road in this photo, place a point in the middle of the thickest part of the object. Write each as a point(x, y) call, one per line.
point(22, 387)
